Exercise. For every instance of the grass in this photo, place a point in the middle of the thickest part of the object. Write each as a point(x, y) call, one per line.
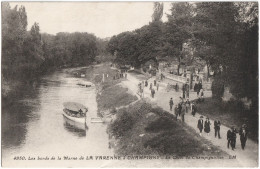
point(110, 93)
point(114, 96)
point(142, 129)
point(230, 114)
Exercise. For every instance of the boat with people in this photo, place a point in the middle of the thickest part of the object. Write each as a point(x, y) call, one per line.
point(75, 112)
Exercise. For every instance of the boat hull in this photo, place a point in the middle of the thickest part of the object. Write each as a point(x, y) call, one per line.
point(76, 119)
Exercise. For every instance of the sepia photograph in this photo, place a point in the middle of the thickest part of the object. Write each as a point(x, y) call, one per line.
point(162, 84)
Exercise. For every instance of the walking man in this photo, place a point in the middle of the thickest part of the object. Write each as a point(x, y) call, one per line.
point(217, 128)
point(229, 138)
point(183, 91)
point(193, 109)
point(179, 108)
point(183, 110)
point(171, 104)
point(146, 83)
point(151, 86)
point(243, 136)
point(176, 112)
point(152, 92)
point(157, 86)
point(187, 91)
point(187, 103)
point(200, 124)
point(233, 138)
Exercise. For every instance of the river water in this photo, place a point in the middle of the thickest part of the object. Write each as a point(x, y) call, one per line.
point(34, 125)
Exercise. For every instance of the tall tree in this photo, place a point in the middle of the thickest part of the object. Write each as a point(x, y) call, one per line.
point(157, 11)
point(178, 29)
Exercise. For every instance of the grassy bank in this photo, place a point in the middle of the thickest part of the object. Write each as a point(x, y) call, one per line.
point(110, 93)
point(142, 129)
point(230, 114)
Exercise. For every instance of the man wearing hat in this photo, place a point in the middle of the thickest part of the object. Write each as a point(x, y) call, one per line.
point(232, 136)
point(193, 109)
point(217, 128)
point(243, 136)
point(200, 124)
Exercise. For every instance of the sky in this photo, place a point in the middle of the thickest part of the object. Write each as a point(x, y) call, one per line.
point(104, 19)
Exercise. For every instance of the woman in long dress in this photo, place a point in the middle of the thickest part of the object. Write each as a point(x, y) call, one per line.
point(207, 126)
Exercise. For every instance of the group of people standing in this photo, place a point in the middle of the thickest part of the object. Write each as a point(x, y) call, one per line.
point(145, 84)
point(182, 107)
point(120, 75)
point(206, 126)
point(232, 136)
point(231, 133)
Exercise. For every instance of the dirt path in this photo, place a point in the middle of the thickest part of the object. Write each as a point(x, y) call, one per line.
point(245, 158)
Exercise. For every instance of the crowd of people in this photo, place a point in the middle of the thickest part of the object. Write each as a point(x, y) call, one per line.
point(120, 75)
point(186, 106)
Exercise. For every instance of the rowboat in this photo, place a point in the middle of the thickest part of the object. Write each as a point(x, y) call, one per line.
point(75, 112)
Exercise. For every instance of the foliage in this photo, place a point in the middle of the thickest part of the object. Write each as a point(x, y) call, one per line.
point(153, 131)
point(217, 87)
point(25, 54)
point(122, 124)
point(231, 113)
point(158, 11)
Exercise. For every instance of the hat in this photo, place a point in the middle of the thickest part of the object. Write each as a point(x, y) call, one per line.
point(207, 118)
point(171, 97)
point(201, 116)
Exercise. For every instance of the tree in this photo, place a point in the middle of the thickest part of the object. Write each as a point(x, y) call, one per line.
point(157, 11)
point(178, 29)
point(13, 38)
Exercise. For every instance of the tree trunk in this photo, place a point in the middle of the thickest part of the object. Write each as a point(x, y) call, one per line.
point(208, 72)
point(179, 65)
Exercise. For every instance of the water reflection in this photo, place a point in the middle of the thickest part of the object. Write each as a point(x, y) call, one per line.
point(77, 129)
point(34, 124)
point(17, 113)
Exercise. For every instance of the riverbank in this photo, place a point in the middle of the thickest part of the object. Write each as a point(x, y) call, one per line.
point(144, 129)
point(110, 93)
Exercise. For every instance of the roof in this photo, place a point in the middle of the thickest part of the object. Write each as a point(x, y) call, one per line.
point(73, 106)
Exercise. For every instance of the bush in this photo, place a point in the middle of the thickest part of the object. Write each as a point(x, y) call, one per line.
point(122, 124)
point(174, 142)
point(113, 111)
point(217, 87)
point(160, 124)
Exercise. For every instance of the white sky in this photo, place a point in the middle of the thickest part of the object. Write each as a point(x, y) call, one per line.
point(104, 19)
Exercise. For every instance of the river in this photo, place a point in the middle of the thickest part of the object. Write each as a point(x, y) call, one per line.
point(34, 125)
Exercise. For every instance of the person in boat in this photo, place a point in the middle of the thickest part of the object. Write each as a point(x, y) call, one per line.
point(80, 113)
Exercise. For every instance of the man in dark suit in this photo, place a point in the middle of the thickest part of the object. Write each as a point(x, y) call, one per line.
point(171, 104)
point(229, 137)
point(243, 136)
point(217, 128)
point(200, 124)
point(233, 138)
